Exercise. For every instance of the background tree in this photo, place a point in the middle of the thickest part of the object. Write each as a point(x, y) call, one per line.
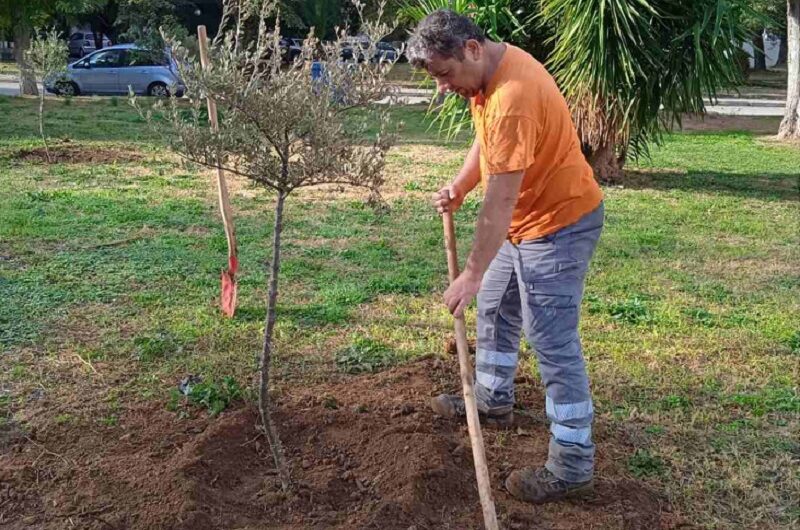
point(142, 21)
point(102, 21)
point(790, 126)
point(20, 17)
point(281, 129)
point(322, 15)
point(47, 56)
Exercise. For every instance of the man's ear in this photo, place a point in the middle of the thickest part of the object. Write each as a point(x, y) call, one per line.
point(473, 49)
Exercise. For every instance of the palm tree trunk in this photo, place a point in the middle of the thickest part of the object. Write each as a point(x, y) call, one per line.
point(605, 162)
point(22, 41)
point(790, 126)
point(264, 406)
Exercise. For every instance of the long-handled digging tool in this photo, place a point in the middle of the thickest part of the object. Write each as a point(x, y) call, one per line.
point(473, 423)
point(228, 294)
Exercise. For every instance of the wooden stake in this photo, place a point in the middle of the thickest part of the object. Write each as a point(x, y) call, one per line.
point(473, 422)
point(222, 189)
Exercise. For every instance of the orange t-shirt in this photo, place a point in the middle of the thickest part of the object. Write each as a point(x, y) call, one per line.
point(523, 123)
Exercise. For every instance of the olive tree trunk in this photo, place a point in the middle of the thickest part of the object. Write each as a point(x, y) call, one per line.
point(41, 127)
point(790, 126)
point(264, 405)
point(27, 79)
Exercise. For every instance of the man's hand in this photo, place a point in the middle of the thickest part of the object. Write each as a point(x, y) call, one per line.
point(461, 292)
point(448, 199)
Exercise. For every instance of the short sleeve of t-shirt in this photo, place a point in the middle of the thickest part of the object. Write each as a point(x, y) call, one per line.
point(510, 144)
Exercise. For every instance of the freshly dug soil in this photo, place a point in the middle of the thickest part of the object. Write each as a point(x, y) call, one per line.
point(76, 154)
point(366, 453)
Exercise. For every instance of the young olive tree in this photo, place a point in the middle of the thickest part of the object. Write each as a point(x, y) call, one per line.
point(47, 56)
point(283, 126)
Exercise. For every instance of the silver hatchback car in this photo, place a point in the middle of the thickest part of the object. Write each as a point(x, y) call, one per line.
point(112, 70)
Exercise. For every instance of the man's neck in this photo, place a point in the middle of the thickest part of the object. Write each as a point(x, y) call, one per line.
point(494, 54)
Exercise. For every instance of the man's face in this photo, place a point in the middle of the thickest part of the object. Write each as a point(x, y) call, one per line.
point(462, 76)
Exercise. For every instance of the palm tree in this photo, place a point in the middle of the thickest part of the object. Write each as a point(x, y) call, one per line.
point(630, 68)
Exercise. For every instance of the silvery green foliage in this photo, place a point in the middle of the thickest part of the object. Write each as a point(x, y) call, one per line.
point(277, 125)
point(48, 54)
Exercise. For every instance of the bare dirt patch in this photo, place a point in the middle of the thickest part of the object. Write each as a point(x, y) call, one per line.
point(78, 154)
point(365, 451)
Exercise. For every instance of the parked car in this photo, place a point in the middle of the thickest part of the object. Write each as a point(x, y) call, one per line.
point(290, 49)
point(357, 49)
point(385, 52)
point(112, 70)
point(82, 43)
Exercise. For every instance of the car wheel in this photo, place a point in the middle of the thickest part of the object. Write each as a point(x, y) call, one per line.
point(158, 90)
point(67, 88)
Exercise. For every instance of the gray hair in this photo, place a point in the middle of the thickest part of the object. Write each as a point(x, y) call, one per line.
point(444, 33)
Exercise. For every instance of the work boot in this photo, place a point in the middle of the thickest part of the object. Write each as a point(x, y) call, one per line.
point(539, 486)
point(453, 407)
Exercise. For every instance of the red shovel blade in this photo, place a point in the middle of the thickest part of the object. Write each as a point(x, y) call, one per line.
point(228, 301)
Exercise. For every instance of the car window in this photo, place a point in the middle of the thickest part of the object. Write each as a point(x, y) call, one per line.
point(106, 59)
point(144, 58)
point(77, 36)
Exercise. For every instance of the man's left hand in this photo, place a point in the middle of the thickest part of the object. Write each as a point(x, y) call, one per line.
point(461, 292)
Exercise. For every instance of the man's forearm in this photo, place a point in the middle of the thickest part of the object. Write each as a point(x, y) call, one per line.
point(470, 173)
point(493, 221)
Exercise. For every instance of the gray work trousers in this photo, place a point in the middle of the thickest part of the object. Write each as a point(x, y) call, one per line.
point(537, 285)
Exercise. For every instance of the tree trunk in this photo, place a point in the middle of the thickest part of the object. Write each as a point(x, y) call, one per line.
point(264, 406)
point(790, 126)
point(41, 127)
point(759, 59)
point(606, 164)
point(22, 41)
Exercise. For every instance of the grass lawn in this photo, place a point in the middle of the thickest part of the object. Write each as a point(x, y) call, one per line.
point(691, 320)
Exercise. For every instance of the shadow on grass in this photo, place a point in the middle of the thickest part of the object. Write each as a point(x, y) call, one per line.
point(769, 186)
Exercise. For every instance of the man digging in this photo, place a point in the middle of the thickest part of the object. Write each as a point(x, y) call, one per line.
point(539, 225)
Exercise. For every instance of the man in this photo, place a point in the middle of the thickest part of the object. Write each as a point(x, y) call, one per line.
point(540, 222)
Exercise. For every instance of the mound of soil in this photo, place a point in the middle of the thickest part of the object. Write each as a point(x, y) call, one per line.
point(76, 154)
point(366, 453)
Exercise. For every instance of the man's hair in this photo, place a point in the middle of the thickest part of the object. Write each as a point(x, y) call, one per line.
point(444, 33)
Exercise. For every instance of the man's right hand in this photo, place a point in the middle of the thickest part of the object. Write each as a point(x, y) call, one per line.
point(448, 199)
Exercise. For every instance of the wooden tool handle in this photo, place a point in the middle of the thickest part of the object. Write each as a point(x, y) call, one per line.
point(473, 422)
point(222, 187)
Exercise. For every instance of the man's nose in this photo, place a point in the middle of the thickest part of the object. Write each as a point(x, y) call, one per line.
point(442, 87)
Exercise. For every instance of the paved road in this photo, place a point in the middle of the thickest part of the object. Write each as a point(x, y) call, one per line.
point(11, 88)
point(724, 106)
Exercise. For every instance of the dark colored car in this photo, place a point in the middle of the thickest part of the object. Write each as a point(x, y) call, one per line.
point(358, 49)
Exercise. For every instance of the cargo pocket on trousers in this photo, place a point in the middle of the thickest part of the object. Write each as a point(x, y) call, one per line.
point(555, 294)
point(554, 314)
